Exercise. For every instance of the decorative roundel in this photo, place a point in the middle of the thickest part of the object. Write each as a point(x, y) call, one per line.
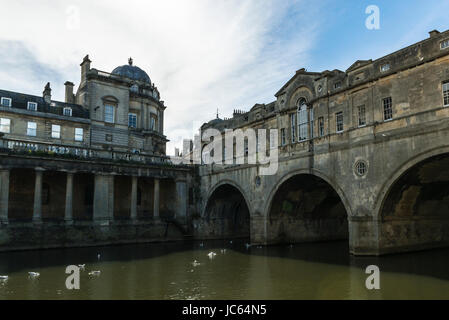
point(361, 168)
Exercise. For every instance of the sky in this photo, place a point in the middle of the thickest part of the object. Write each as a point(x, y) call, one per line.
point(203, 55)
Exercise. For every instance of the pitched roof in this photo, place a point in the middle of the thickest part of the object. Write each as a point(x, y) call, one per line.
point(20, 101)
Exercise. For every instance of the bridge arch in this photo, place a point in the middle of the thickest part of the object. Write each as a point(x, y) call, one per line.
point(400, 171)
point(227, 211)
point(306, 205)
point(413, 205)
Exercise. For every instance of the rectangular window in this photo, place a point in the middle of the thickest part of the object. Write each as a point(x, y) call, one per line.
point(109, 113)
point(303, 124)
point(293, 127)
point(362, 116)
point(79, 133)
point(444, 44)
point(388, 108)
point(312, 128)
point(5, 125)
point(385, 67)
point(31, 129)
point(321, 126)
point(339, 121)
point(337, 85)
point(152, 123)
point(446, 94)
point(56, 131)
point(132, 120)
point(283, 138)
point(6, 102)
point(32, 106)
point(67, 112)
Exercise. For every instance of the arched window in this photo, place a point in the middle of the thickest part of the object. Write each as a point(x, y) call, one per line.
point(303, 121)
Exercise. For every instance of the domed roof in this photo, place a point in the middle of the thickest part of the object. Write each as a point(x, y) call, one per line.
point(132, 72)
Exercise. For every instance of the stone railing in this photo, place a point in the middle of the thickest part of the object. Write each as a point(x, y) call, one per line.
point(77, 152)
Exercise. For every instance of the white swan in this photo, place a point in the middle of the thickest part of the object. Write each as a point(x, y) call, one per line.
point(196, 263)
point(223, 251)
point(82, 266)
point(211, 255)
point(94, 273)
point(34, 274)
point(4, 277)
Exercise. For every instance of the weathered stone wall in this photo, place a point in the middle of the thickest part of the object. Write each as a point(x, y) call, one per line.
point(57, 235)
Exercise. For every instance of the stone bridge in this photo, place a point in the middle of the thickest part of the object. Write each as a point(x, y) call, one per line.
point(386, 192)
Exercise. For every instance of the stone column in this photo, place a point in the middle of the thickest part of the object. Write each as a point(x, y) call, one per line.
point(156, 199)
point(37, 210)
point(134, 199)
point(103, 198)
point(68, 215)
point(4, 195)
point(181, 200)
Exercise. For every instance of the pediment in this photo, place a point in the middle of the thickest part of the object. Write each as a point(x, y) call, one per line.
point(358, 64)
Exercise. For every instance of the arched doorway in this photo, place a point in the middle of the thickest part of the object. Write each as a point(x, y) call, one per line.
point(415, 210)
point(306, 208)
point(227, 214)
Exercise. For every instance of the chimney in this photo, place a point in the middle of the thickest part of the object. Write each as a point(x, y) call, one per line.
point(69, 96)
point(47, 93)
point(434, 33)
point(85, 67)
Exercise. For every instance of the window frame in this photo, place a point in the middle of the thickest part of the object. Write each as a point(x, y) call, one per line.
point(8, 99)
point(2, 125)
point(445, 94)
point(337, 114)
point(54, 132)
point(293, 127)
point(135, 116)
point(385, 67)
point(29, 103)
point(106, 107)
point(152, 124)
point(444, 44)
point(359, 116)
point(384, 106)
point(30, 129)
point(283, 137)
point(321, 126)
point(65, 109)
point(302, 119)
point(78, 135)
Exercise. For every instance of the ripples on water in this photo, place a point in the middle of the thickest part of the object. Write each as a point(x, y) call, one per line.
point(168, 271)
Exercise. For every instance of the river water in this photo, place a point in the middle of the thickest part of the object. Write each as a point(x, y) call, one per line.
point(166, 271)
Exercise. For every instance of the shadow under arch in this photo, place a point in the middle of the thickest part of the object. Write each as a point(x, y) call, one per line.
point(226, 213)
point(413, 205)
point(305, 205)
point(400, 171)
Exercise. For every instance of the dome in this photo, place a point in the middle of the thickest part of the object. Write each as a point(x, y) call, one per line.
point(132, 72)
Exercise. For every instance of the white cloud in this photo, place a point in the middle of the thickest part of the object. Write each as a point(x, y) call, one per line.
point(202, 55)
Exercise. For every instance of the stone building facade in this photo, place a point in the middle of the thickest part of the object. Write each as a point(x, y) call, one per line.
point(92, 169)
point(362, 156)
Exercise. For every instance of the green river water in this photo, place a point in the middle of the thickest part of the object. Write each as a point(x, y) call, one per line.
point(166, 271)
